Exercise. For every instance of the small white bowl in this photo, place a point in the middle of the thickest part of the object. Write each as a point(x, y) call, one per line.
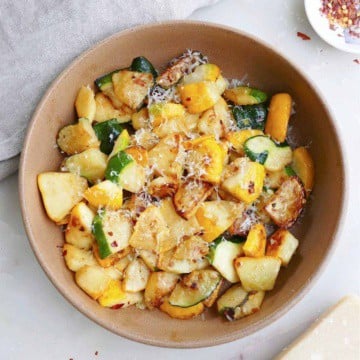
point(321, 25)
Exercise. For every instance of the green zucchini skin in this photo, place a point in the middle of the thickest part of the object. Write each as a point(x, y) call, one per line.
point(104, 81)
point(142, 64)
point(107, 132)
point(116, 165)
point(250, 116)
point(183, 296)
point(265, 151)
point(97, 230)
point(290, 171)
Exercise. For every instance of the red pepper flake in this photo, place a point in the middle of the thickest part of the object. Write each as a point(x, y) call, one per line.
point(114, 244)
point(188, 99)
point(117, 306)
point(96, 353)
point(356, 61)
point(303, 36)
point(64, 252)
point(110, 233)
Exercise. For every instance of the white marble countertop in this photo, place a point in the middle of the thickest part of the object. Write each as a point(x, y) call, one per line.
point(36, 322)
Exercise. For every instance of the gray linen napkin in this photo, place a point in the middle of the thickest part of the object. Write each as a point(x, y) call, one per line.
point(39, 38)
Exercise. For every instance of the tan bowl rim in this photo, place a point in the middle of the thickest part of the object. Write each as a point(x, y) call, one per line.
point(253, 327)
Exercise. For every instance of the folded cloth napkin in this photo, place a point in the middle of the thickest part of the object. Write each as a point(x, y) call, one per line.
point(38, 39)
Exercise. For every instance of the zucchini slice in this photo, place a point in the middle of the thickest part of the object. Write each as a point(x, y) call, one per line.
point(237, 303)
point(222, 255)
point(244, 95)
point(142, 64)
point(105, 81)
point(107, 132)
point(112, 231)
point(90, 164)
point(121, 143)
point(122, 169)
point(265, 151)
point(250, 116)
point(194, 288)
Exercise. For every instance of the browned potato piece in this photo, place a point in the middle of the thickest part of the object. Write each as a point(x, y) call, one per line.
point(78, 231)
point(282, 244)
point(131, 87)
point(286, 204)
point(76, 258)
point(60, 193)
point(257, 274)
point(189, 197)
point(74, 139)
point(160, 284)
point(163, 187)
point(151, 232)
point(193, 248)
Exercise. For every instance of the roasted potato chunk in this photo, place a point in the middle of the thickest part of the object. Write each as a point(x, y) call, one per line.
point(282, 244)
point(76, 258)
point(189, 197)
point(131, 87)
point(160, 284)
point(136, 276)
point(286, 204)
point(60, 193)
point(78, 231)
point(74, 139)
point(257, 274)
point(162, 187)
point(85, 103)
point(244, 179)
point(151, 232)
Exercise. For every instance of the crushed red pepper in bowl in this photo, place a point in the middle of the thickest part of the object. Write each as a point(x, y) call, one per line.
point(344, 14)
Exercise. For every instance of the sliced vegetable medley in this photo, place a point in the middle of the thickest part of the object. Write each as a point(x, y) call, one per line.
point(178, 189)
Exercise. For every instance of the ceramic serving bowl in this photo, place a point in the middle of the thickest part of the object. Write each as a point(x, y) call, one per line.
point(237, 54)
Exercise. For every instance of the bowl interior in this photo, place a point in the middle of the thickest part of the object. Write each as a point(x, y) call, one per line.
point(237, 55)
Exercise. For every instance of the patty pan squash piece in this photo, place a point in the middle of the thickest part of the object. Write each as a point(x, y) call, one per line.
point(60, 193)
point(204, 72)
point(278, 117)
point(217, 216)
point(115, 297)
point(244, 95)
point(85, 103)
point(256, 241)
point(162, 112)
point(131, 87)
point(205, 158)
point(105, 194)
point(198, 97)
point(238, 138)
point(303, 165)
point(74, 139)
point(177, 312)
point(244, 179)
